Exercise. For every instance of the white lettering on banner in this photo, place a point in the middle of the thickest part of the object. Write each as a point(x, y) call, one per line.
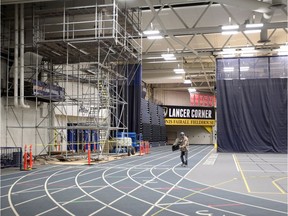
point(201, 113)
point(189, 112)
point(183, 113)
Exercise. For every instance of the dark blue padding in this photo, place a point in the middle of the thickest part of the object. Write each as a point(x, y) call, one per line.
point(252, 115)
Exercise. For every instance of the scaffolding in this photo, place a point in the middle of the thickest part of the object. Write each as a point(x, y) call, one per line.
point(77, 63)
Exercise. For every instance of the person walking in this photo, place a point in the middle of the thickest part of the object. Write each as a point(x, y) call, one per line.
point(183, 143)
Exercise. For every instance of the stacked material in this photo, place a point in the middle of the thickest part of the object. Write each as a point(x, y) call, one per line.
point(152, 123)
point(145, 121)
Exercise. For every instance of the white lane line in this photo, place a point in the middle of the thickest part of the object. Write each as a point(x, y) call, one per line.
point(264, 171)
point(183, 188)
point(41, 172)
point(174, 186)
point(10, 192)
point(112, 185)
point(127, 194)
point(211, 159)
point(230, 200)
point(42, 196)
point(48, 194)
point(157, 157)
point(49, 210)
point(140, 185)
point(242, 203)
point(179, 203)
point(93, 198)
point(38, 172)
point(233, 155)
point(39, 186)
point(128, 163)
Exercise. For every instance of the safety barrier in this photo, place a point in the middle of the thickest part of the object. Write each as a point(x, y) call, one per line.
point(28, 158)
point(144, 148)
point(11, 157)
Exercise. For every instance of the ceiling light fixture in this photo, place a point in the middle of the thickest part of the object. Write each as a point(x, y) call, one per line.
point(283, 50)
point(151, 32)
point(248, 48)
point(244, 68)
point(230, 32)
point(191, 90)
point(228, 50)
point(230, 27)
point(187, 81)
point(252, 31)
point(284, 47)
point(170, 59)
point(155, 37)
point(228, 55)
point(228, 69)
point(254, 25)
point(179, 71)
point(167, 55)
point(247, 54)
point(283, 53)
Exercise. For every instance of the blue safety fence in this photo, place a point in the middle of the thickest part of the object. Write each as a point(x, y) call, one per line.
point(11, 157)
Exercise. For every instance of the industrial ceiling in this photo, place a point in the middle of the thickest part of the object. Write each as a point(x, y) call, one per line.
point(192, 30)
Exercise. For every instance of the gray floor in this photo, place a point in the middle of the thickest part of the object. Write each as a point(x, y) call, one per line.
point(155, 184)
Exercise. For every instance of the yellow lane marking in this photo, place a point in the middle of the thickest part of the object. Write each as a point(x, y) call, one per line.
point(277, 186)
point(242, 173)
point(192, 194)
point(271, 193)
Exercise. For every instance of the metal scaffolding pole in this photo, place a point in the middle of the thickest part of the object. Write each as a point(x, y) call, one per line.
point(78, 77)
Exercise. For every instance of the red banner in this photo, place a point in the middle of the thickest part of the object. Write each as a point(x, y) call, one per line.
point(198, 99)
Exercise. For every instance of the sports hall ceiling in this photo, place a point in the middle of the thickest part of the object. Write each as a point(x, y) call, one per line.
point(192, 31)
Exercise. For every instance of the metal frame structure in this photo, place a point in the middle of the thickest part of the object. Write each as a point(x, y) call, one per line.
point(86, 50)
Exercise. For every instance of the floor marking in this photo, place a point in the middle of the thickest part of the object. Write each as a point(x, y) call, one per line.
point(150, 181)
point(134, 177)
point(184, 198)
point(266, 171)
point(111, 185)
point(49, 210)
point(31, 174)
point(140, 185)
point(51, 167)
point(197, 192)
point(211, 159)
point(179, 203)
point(229, 200)
point(49, 195)
point(225, 205)
point(11, 188)
point(242, 174)
point(279, 187)
point(234, 158)
point(93, 198)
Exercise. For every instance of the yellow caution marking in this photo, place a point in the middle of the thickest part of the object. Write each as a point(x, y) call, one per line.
point(277, 186)
point(242, 173)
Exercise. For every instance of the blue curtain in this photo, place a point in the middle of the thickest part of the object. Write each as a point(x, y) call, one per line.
point(252, 105)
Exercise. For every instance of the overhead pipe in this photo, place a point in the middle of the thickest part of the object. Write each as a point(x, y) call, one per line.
point(22, 104)
point(16, 31)
point(266, 18)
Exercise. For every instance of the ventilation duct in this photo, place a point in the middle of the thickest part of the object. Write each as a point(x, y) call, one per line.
point(16, 55)
point(22, 104)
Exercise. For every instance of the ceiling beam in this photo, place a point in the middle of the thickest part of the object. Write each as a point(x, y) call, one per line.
point(217, 29)
point(6, 2)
